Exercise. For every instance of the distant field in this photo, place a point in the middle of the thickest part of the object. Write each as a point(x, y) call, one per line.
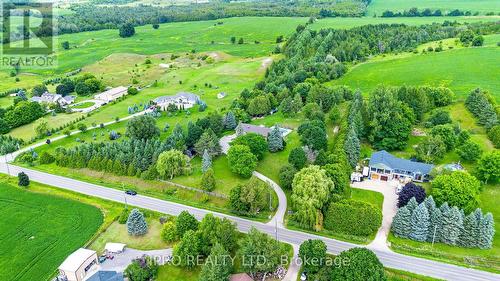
point(345, 23)
point(37, 232)
point(461, 70)
point(89, 47)
point(481, 6)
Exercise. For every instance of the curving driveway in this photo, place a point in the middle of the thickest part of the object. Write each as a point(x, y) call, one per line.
point(389, 259)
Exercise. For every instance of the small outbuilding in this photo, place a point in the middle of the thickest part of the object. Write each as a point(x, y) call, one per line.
point(114, 248)
point(221, 95)
point(112, 94)
point(78, 265)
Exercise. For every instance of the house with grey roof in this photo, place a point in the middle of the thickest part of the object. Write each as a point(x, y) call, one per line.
point(385, 166)
point(244, 128)
point(182, 100)
point(49, 98)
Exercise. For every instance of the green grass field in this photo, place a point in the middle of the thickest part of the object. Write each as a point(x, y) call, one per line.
point(39, 231)
point(481, 6)
point(462, 70)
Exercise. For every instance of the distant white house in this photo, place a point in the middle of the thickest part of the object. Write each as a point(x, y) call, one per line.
point(112, 94)
point(54, 98)
point(221, 95)
point(78, 265)
point(181, 100)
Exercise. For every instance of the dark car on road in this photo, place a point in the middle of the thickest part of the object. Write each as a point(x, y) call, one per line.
point(131, 192)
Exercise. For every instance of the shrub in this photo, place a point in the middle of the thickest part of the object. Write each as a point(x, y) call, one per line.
point(46, 158)
point(286, 174)
point(409, 191)
point(241, 160)
point(208, 180)
point(458, 189)
point(494, 135)
point(184, 222)
point(23, 179)
point(363, 265)
point(169, 232)
point(122, 219)
point(142, 269)
point(469, 151)
point(256, 143)
point(353, 217)
point(297, 158)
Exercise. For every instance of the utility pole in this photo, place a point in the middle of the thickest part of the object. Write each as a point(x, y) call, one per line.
point(124, 196)
point(7, 164)
point(434, 235)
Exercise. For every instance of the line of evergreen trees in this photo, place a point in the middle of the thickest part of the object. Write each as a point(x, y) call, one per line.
point(415, 12)
point(482, 105)
point(425, 222)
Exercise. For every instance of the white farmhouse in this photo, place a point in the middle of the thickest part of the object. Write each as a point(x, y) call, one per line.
point(182, 100)
point(112, 94)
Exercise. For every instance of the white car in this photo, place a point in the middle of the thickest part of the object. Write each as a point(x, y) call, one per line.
point(398, 189)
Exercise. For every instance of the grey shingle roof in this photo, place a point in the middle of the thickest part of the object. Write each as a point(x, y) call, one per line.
point(385, 158)
point(248, 128)
point(189, 96)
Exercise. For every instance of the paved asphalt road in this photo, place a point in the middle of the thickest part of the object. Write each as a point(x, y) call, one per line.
point(389, 259)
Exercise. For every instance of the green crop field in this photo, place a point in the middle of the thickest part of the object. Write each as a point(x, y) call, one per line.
point(461, 69)
point(482, 6)
point(346, 23)
point(37, 232)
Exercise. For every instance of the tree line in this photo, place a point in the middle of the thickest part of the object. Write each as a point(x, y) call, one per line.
point(415, 12)
point(88, 16)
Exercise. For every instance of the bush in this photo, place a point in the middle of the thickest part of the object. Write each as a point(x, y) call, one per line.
point(494, 135)
point(241, 160)
point(142, 269)
point(184, 222)
point(256, 143)
point(46, 158)
point(122, 219)
point(469, 151)
point(287, 172)
point(459, 189)
point(440, 117)
point(363, 265)
point(169, 232)
point(23, 179)
point(409, 191)
point(297, 158)
point(353, 217)
point(208, 180)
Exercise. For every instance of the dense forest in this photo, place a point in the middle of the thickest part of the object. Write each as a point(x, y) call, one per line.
point(91, 17)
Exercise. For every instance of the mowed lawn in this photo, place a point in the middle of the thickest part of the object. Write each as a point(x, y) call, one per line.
point(37, 232)
point(462, 70)
point(481, 6)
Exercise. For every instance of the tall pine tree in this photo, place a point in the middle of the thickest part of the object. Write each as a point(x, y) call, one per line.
point(486, 232)
point(401, 224)
point(206, 162)
point(352, 147)
point(452, 226)
point(435, 226)
point(412, 205)
point(275, 140)
point(468, 237)
point(420, 223)
point(230, 121)
point(136, 224)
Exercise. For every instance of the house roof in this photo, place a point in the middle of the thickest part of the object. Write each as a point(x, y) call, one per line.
point(114, 91)
point(76, 259)
point(47, 97)
point(240, 277)
point(106, 276)
point(261, 130)
point(189, 96)
point(384, 160)
point(114, 247)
